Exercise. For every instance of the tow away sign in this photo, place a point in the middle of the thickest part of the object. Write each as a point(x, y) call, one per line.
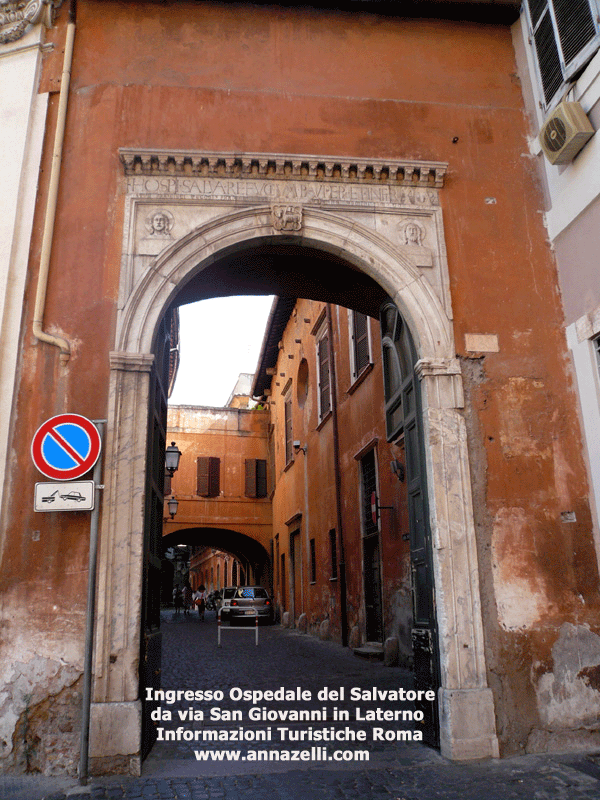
point(64, 496)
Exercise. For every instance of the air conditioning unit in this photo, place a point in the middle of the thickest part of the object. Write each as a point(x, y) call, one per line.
point(565, 132)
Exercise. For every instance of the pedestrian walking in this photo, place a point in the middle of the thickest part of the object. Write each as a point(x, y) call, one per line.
point(200, 600)
point(187, 599)
point(177, 599)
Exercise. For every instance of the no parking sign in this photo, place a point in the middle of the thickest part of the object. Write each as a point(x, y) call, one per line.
point(65, 447)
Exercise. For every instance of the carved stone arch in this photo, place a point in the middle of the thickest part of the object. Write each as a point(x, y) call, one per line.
point(467, 722)
point(355, 243)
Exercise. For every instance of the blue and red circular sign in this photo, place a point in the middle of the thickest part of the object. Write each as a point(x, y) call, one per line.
point(65, 447)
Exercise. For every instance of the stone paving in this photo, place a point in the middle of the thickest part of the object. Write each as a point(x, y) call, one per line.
point(404, 770)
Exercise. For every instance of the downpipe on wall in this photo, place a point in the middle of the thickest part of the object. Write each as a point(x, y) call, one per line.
point(51, 204)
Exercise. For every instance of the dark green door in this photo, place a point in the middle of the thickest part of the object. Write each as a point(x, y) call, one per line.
point(404, 419)
point(150, 655)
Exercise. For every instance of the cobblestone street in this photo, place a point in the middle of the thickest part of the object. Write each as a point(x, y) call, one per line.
point(404, 770)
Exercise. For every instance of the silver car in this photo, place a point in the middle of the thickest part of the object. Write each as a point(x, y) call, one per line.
point(224, 602)
point(248, 601)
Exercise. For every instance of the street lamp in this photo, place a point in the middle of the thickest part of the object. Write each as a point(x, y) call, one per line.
point(172, 456)
point(173, 504)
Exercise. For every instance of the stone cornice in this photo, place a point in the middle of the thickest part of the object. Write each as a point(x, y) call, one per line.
point(277, 166)
point(433, 368)
point(131, 362)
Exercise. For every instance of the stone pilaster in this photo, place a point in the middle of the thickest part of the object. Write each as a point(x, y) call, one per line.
point(116, 711)
point(467, 728)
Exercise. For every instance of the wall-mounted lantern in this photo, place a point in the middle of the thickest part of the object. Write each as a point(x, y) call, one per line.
point(173, 504)
point(172, 456)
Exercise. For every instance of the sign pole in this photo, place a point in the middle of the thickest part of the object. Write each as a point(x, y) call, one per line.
point(89, 625)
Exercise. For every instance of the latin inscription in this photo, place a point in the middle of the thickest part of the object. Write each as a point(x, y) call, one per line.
point(307, 192)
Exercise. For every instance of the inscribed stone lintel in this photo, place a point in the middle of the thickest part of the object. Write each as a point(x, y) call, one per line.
point(170, 195)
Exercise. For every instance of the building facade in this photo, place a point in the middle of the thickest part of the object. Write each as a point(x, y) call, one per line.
point(166, 154)
point(341, 553)
point(567, 70)
point(221, 490)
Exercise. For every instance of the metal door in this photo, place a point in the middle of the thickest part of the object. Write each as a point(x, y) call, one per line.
point(404, 419)
point(296, 575)
point(373, 610)
point(371, 551)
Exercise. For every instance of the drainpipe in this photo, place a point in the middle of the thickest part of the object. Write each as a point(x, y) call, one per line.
point(59, 135)
point(338, 481)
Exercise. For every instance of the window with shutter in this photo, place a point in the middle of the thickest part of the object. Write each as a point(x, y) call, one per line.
point(324, 381)
point(208, 483)
point(289, 450)
point(256, 477)
point(565, 35)
point(333, 554)
point(361, 350)
point(369, 487)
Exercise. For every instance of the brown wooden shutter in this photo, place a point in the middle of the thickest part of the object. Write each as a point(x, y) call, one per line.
point(288, 431)
point(261, 477)
point(214, 474)
point(208, 482)
point(361, 342)
point(324, 393)
point(202, 476)
point(256, 477)
point(250, 484)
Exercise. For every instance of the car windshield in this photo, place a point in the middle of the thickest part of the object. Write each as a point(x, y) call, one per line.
point(228, 593)
point(251, 592)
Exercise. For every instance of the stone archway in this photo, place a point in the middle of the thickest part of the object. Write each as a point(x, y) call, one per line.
point(385, 220)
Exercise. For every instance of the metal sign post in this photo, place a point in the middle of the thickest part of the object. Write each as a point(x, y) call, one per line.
point(89, 624)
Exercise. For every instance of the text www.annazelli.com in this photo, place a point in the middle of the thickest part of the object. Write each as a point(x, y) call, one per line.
point(308, 754)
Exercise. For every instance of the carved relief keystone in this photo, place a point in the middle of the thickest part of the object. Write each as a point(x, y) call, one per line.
point(286, 218)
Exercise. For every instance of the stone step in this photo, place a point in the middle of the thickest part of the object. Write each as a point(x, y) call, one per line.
point(371, 650)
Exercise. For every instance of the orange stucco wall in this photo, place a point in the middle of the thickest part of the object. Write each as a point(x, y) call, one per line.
point(305, 497)
point(231, 435)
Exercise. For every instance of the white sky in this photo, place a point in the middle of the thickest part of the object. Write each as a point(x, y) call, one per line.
point(218, 339)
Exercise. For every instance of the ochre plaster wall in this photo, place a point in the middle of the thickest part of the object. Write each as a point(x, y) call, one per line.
point(305, 491)
point(232, 435)
point(235, 78)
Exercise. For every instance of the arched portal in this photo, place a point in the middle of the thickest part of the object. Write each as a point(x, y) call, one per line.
point(368, 241)
point(239, 545)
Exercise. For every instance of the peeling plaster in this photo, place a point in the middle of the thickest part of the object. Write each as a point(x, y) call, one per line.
point(519, 588)
point(28, 685)
point(569, 696)
point(520, 402)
